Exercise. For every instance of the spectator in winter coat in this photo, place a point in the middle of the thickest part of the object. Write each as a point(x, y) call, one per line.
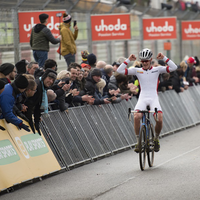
point(40, 38)
point(7, 100)
point(39, 101)
point(68, 46)
point(177, 80)
point(91, 88)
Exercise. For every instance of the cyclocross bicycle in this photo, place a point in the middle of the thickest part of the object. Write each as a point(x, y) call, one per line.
point(146, 137)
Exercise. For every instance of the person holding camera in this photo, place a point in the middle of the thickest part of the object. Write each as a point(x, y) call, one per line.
point(68, 46)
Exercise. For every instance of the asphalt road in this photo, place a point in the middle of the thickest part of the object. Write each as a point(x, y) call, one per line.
point(175, 176)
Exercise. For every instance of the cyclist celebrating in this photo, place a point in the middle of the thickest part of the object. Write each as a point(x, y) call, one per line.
point(148, 79)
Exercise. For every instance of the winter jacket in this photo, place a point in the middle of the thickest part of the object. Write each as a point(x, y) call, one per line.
point(91, 89)
point(68, 39)
point(7, 101)
point(40, 38)
point(33, 103)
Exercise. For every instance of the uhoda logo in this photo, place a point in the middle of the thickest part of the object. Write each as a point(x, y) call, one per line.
point(191, 30)
point(111, 27)
point(164, 28)
point(51, 25)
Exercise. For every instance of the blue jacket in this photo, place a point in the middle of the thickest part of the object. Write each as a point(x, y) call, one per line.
point(7, 101)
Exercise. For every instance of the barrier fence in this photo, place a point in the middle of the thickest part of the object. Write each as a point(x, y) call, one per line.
point(84, 134)
point(89, 132)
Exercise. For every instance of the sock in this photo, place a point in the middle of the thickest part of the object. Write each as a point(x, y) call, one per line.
point(156, 137)
point(137, 137)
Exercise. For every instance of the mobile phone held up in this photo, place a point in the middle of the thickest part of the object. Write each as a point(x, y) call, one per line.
point(75, 22)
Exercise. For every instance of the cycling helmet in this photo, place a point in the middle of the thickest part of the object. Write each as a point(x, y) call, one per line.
point(145, 54)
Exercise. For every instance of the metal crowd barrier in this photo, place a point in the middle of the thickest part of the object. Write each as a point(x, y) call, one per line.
point(89, 132)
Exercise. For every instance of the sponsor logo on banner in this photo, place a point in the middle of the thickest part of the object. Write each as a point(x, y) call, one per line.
point(190, 30)
point(29, 19)
point(8, 153)
point(34, 144)
point(110, 27)
point(159, 28)
point(31, 145)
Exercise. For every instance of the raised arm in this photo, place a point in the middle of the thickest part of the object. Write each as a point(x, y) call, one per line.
point(171, 65)
point(122, 69)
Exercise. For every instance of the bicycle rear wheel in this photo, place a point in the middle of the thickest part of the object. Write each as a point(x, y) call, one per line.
point(142, 147)
point(150, 144)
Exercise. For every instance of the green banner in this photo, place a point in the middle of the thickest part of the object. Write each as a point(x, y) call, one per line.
point(8, 153)
point(34, 144)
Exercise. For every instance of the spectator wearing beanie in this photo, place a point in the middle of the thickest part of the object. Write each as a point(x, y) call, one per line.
point(39, 101)
point(84, 55)
point(92, 89)
point(40, 38)
point(7, 101)
point(7, 72)
point(92, 59)
point(21, 66)
point(68, 46)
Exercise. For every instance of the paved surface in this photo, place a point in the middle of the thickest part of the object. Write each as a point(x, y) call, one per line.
point(175, 176)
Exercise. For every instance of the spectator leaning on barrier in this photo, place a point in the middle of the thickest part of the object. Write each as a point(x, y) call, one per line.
point(177, 80)
point(68, 46)
point(91, 88)
point(7, 101)
point(39, 101)
point(74, 97)
point(7, 72)
point(107, 72)
point(40, 38)
point(29, 92)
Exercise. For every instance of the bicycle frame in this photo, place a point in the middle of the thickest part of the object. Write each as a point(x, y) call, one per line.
point(146, 137)
point(146, 122)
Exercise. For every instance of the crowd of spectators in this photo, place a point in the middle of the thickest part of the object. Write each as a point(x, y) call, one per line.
point(30, 90)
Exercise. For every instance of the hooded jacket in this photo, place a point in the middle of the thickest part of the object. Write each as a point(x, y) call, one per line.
point(68, 39)
point(40, 38)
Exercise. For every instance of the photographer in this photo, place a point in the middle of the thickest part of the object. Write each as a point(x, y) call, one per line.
point(68, 46)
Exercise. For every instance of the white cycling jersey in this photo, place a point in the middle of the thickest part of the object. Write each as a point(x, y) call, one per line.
point(149, 80)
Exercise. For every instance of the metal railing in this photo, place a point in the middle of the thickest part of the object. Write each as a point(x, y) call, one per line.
point(89, 132)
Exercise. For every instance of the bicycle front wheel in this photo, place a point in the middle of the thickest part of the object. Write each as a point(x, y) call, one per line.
point(142, 147)
point(150, 148)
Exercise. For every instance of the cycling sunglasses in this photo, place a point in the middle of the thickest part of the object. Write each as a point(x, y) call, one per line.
point(145, 61)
